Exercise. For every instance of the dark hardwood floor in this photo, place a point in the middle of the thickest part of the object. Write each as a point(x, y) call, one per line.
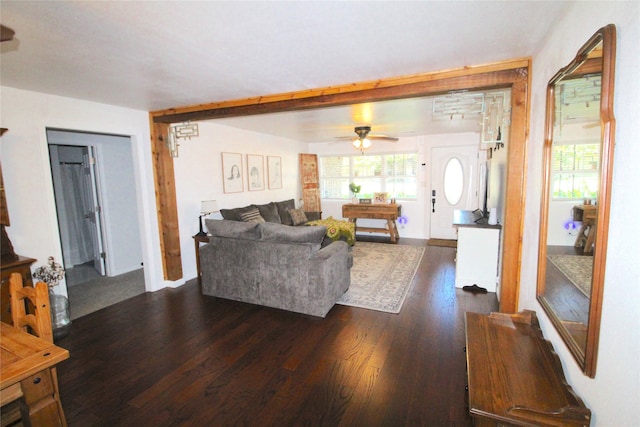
point(175, 357)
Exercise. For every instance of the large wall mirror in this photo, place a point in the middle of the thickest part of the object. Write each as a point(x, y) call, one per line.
point(578, 162)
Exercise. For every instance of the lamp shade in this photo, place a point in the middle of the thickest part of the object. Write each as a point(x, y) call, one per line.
point(209, 206)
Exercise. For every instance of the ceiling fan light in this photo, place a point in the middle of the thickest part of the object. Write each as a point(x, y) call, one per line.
point(357, 144)
point(366, 143)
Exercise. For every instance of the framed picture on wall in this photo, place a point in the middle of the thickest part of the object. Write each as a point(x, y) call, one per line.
point(232, 173)
point(255, 172)
point(274, 172)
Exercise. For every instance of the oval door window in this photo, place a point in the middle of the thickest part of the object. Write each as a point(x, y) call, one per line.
point(453, 181)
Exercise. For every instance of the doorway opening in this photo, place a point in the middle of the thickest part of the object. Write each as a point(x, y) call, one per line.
point(96, 206)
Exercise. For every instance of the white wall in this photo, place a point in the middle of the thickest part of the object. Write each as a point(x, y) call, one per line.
point(416, 212)
point(27, 176)
point(614, 395)
point(198, 175)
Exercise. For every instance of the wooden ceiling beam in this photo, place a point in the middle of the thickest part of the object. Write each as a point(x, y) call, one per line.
point(427, 84)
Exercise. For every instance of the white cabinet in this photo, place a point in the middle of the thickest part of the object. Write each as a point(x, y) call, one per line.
point(477, 256)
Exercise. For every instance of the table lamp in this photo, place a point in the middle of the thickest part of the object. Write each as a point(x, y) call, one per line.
point(206, 207)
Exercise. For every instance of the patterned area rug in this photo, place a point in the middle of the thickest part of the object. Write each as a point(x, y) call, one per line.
point(381, 275)
point(578, 269)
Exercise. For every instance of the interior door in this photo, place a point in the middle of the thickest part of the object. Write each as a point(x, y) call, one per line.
point(92, 209)
point(453, 186)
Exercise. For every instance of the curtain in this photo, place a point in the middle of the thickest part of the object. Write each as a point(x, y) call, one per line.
point(76, 203)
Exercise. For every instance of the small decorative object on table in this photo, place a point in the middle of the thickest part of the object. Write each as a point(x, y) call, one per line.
point(380, 197)
point(364, 201)
point(51, 274)
point(355, 189)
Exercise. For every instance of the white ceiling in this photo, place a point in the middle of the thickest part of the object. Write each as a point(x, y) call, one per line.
point(153, 55)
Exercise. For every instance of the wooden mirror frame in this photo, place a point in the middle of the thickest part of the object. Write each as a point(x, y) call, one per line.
point(586, 355)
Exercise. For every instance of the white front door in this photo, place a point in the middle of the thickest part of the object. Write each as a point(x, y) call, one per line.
point(453, 186)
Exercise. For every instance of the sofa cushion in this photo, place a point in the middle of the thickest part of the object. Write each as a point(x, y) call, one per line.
point(252, 215)
point(234, 229)
point(298, 217)
point(234, 214)
point(283, 208)
point(269, 212)
point(280, 233)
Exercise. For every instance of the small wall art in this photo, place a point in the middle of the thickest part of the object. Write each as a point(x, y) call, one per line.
point(232, 173)
point(255, 172)
point(274, 171)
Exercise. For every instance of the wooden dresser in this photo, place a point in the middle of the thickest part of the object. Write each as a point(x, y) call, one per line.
point(514, 376)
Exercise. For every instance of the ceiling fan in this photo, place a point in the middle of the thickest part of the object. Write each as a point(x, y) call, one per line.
point(363, 140)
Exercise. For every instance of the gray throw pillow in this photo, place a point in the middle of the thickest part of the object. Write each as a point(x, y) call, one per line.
point(283, 208)
point(234, 214)
point(252, 216)
point(298, 217)
point(269, 212)
point(234, 229)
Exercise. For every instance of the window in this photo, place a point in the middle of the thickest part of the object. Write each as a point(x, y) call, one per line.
point(575, 170)
point(453, 181)
point(395, 174)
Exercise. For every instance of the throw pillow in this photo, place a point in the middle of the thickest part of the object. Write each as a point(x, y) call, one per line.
point(234, 214)
point(269, 212)
point(298, 216)
point(252, 215)
point(283, 208)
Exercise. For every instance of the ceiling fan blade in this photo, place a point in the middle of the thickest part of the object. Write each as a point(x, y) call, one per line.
point(371, 137)
point(362, 132)
point(6, 34)
point(383, 138)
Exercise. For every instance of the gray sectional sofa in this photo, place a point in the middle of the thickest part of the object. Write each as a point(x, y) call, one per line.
point(274, 265)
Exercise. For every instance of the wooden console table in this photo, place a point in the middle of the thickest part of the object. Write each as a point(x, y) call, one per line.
point(515, 377)
point(388, 212)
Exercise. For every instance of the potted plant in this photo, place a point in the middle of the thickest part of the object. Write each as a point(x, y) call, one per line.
point(355, 189)
point(52, 273)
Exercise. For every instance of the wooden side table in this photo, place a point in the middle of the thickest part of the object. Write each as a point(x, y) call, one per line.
point(9, 265)
point(198, 240)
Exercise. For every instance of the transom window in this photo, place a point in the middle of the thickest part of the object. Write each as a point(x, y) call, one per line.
point(575, 170)
point(395, 174)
